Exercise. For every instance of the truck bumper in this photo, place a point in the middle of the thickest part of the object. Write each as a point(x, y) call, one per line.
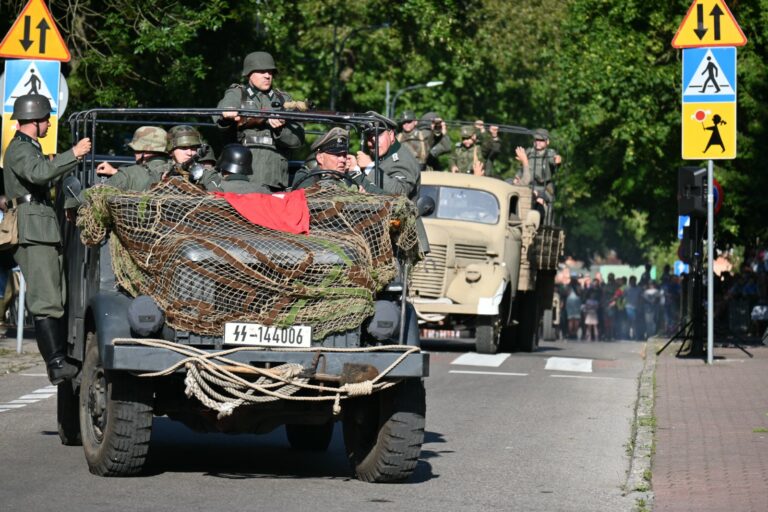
point(136, 358)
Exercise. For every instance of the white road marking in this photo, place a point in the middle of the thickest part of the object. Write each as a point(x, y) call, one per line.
point(475, 359)
point(489, 373)
point(24, 401)
point(36, 396)
point(569, 364)
point(33, 374)
point(587, 377)
point(31, 398)
point(12, 406)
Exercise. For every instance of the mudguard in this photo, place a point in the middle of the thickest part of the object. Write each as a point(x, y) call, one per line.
point(109, 309)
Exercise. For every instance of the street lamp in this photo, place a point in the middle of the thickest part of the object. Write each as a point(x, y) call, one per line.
point(391, 109)
point(337, 53)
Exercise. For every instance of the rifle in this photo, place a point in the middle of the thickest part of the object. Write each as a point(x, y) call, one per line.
point(248, 122)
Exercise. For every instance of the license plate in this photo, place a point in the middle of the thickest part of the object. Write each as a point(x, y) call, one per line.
point(240, 333)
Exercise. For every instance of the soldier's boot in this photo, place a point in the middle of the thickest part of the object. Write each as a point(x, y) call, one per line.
point(52, 346)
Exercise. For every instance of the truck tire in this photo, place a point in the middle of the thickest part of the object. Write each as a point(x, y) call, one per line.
point(115, 417)
point(488, 334)
point(383, 433)
point(547, 327)
point(527, 338)
point(311, 438)
point(68, 414)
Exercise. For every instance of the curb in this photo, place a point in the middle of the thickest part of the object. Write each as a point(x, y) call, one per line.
point(638, 484)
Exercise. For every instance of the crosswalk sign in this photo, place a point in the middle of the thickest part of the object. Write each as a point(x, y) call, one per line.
point(34, 35)
point(709, 74)
point(31, 77)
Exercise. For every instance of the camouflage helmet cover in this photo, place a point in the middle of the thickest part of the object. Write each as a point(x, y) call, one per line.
point(258, 61)
point(149, 138)
point(30, 107)
point(183, 136)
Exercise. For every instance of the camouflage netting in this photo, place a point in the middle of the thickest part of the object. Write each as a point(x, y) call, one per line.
point(204, 264)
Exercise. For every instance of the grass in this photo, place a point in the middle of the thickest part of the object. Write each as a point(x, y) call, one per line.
point(641, 505)
point(760, 430)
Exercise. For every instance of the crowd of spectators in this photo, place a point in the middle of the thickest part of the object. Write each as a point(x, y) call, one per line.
point(618, 308)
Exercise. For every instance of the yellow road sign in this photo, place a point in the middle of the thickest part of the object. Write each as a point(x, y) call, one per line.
point(709, 131)
point(48, 142)
point(708, 23)
point(34, 35)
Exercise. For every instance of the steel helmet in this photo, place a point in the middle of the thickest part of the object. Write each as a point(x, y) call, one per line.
point(183, 136)
point(258, 61)
point(31, 107)
point(406, 116)
point(149, 138)
point(235, 159)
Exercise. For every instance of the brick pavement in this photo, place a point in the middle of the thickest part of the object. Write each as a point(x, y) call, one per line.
point(711, 454)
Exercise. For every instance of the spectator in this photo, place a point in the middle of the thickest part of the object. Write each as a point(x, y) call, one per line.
point(633, 308)
point(591, 307)
point(651, 298)
point(573, 309)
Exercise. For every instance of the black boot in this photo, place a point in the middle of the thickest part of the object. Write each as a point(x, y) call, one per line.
point(52, 346)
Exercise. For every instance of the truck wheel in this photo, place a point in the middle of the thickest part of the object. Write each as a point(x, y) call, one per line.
point(68, 414)
point(311, 438)
point(547, 327)
point(115, 417)
point(527, 338)
point(487, 334)
point(383, 433)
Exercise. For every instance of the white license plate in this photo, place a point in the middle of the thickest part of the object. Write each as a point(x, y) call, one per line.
point(240, 333)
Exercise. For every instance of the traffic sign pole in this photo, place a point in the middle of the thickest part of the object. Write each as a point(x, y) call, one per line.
point(710, 263)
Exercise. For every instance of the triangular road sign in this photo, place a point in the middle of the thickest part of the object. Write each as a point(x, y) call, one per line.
point(708, 23)
point(34, 35)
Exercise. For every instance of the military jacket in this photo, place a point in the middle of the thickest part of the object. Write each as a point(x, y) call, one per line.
point(139, 177)
point(401, 173)
point(28, 171)
point(425, 146)
point(464, 157)
point(236, 183)
point(541, 168)
point(270, 148)
point(321, 178)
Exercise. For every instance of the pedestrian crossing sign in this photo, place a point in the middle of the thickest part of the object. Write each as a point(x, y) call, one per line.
point(709, 74)
point(31, 77)
point(709, 131)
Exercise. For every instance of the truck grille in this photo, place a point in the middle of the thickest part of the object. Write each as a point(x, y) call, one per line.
point(428, 275)
point(471, 252)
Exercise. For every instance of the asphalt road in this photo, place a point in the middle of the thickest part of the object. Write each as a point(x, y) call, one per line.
point(539, 432)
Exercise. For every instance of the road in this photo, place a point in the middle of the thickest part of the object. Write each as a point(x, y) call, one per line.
point(542, 432)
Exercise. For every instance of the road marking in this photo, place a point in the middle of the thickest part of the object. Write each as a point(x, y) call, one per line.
point(475, 359)
point(36, 396)
point(24, 401)
point(33, 374)
point(569, 364)
point(33, 397)
point(489, 373)
point(587, 377)
point(12, 406)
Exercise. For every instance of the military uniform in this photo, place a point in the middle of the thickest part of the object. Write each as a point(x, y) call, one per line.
point(541, 168)
point(28, 175)
point(237, 183)
point(270, 148)
point(401, 173)
point(139, 177)
point(464, 157)
point(232, 172)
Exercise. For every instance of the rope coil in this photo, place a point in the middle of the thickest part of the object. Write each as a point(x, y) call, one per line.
point(215, 379)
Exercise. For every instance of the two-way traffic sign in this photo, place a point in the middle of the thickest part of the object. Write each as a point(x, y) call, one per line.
point(708, 23)
point(34, 35)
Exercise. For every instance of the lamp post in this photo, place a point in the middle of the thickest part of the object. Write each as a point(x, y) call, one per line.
point(338, 50)
point(391, 109)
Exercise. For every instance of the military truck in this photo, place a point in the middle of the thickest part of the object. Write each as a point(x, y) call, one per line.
point(180, 307)
point(491, 266)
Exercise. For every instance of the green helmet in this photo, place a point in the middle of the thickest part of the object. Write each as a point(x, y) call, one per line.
point(149, 138)
point(258, 61)
point(406, 116)
point(183, 136)
point(31, 107)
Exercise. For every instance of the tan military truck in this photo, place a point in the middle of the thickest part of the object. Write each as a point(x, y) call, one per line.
point(491, 266)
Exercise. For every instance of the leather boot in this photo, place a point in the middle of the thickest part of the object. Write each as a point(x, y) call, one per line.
point(52, 347)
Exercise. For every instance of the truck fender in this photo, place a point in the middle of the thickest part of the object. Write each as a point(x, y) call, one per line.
point(109, 313)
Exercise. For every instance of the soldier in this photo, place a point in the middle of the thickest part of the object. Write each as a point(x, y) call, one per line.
point(234, 168)
point(469, 157)
point(490, 143)
point(539, 165)
point(400, 169)
point(270, 140)
point(148, 145)
point(28, 175)
point(331, 154)
point(427, 139)
point(183, 144)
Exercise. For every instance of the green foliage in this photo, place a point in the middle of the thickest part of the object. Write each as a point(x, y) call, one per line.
point(600, 74)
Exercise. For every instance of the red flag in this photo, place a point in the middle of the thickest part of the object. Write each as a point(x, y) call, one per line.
point(285, 211)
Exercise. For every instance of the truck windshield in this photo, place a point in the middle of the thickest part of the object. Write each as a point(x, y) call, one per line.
point(462, 204)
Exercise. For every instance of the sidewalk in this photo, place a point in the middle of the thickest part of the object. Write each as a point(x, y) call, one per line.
point(10, 360)
point(711, 450)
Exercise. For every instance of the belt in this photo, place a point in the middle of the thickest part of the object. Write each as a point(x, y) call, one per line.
point(254, 140)
point(27, 198)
